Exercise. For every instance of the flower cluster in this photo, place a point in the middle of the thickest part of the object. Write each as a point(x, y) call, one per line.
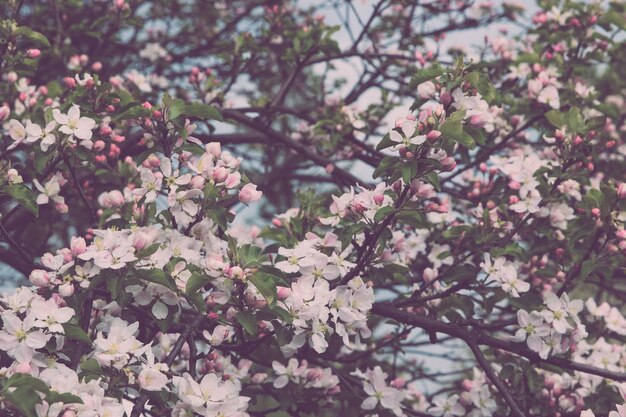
point(554, 329)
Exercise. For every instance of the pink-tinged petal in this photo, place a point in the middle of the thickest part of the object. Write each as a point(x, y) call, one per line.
point(408, 128)
point(73, 113)
point(60, 117)
point(395, 136)
point(36, 340)
point(159, 310)
point(65, 129)
point(369, 403)
point(281, 382)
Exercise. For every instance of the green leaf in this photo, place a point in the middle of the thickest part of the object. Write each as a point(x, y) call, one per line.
point(385, 143)
point(91, 369)
point(556, 118)
point(24, 196)
point(157, 276)
point(467, 141)
point(266, 285)
point(384, 165)
point(452, 129)
point(114, 285)
point(202, 111)
point(455, 232)
point(134, 112)
point(176, 108)
point(382, 213)
point(574, 120)
point(74, 332)
point(32, 35)
point(615, 18)
point(587, 267)
point(283, 314)
point(426, 74)
point(195, 282)
point(22, 380)
point(42, 159)
point(65, 398)
point(24, 399)
point(483, 85)
point(249, 255)
point(248, 321)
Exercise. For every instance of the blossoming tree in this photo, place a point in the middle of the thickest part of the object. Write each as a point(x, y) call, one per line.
point(467, 258)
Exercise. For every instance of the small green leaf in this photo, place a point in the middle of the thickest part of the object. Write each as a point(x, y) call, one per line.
point(385, 143)
point(24, 196)
point(195, 282)
point(587, 267)
point(134, 112)
point(157, 276)
point(32, 35)
point(65, 398)
point(556, 118)
point(25, 399)
point(384, 165)
point(248, 321)
point(452, 129)
point(74, 332)
point(266, 285)
point(426, 74)
point(382, 213)
point(202, 111)
point(114, 285)
point(176, 108)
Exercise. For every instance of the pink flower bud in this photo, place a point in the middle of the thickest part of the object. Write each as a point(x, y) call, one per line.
point(445, 98)
point(69, 82)
point(467, 385)
point(220, 174)
point(197, 182)
point(314, 374)
point(214, 148)
point(249, 193)
point(398, 383)
point(66, 290)
point(78, 246)
point(5, 111)
point(379, 198)
point(282, 293)
point(23, 368)
point(61, 207)
point(43, 90)
point(429, 274)
point(258, 378)
point(39, 278)
point(621, 190)
point(595, 212)
point(33, 53)
point(98, 145)
point(448, 163)
point(433, 135)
